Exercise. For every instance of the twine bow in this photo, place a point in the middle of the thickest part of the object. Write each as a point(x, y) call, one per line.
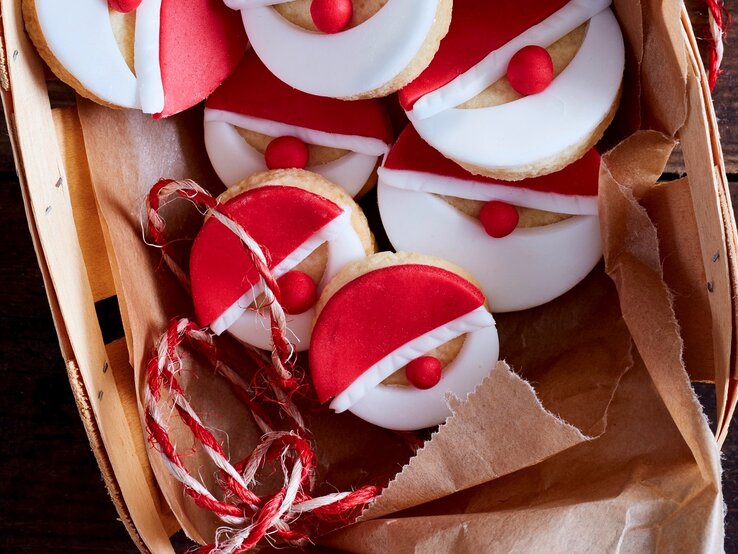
point(291, 514)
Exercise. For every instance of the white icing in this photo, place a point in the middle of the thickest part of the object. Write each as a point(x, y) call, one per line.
point(373, 377)
point(146, 48)
point(415, 181)
point(234, 159)
point(405, 408)
point(345, 64)
point(527, 268)
point(244, 4)
point(252, 327)
point(80, 36)
point(494, 66)
point(351, 171)
point(363, 145)
point(540, 126)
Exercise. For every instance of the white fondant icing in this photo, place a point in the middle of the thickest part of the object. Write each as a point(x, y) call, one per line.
point(373, 377)
point(245, 4)
point(407, 408)
point(540, 126)
point(234, 159)
point(252, 327)
point(494, 66)
point(527, 268)
point(363, 145)
point(146, 48)
point(80, 36)
point(351, 171)
point(345, 64)
point(415, 181)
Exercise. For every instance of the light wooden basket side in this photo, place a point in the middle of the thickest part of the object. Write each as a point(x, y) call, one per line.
point(62, 215)
point(713, 211)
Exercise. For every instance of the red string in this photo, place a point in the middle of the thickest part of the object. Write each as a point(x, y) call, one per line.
point(717, 32)
point(290, 515)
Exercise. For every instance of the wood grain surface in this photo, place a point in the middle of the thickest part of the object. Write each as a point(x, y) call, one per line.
point(52, 498)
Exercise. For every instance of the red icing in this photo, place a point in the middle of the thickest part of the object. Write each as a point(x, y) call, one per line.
point(201, 43)
point(279, 218)
point(412, 153)
point(299, 292)
point(377, 313)
point(252, 90)
point(478, 27)
point(424, 372)
point(499, 219)
point(331, 16)
point(124, 6)
point(286, 152)
point(530, 70)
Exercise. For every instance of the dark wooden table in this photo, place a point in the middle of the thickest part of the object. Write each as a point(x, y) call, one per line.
point(52, 498)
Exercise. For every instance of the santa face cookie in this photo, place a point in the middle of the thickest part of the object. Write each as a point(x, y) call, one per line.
point(395, 334)
point(308, 229)
point(527, 242)
point(345, 48)
point(159, 56)
point(255, 121)
point(520, 89)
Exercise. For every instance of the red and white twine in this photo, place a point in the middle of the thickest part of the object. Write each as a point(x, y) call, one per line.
point(289, 515)
point(717, 25)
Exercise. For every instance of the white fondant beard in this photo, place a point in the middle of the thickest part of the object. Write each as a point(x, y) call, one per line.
point(346, 64)
point(253, 327)
point(234, 159)
point(80, 36)
point(406, 408)
point(527, 268)
point(535, 128)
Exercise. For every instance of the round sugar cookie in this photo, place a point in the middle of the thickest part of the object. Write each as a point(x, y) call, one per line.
point(255, 121)
point(383, 46)
point(468, 103)
point(308, 229)
point(398, 313)
point(430, 204)
point(162, 57)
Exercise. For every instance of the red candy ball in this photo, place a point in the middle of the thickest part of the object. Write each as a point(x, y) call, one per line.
point(286, 153)
point(530, 70)
point(124, 6)
point(424, 372)
point(299, 292)
point(331, 16)
point(498, 218)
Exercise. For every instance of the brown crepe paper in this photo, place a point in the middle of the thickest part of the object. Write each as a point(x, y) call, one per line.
point(588, 438)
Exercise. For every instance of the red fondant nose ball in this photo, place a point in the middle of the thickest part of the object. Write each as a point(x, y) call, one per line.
point(530, 70)
point(498, 218)
point(331, 16)
point(424, 372)
point(124, 6)
point(299, 292)
point(286, 153)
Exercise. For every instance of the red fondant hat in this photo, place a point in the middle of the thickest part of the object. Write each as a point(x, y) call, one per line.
point(253, 91)
point(478, 27)
point(201, 43)
point(279, 218)
point(579, 180)
point(377, 313)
